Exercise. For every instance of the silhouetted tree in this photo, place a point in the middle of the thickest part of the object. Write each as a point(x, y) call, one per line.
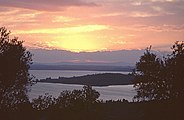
point(14, 75)
point(146, 76)
point(43, 102)
point(69, 99)
point(160, 79)
point(77, 104)
point(77, 98)
point(90, 95)
point(175, 71)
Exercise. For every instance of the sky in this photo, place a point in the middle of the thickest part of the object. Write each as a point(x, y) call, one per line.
point(94, 25)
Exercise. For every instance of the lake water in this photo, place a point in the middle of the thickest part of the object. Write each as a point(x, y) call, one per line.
point(113, 92)
point(42, 74)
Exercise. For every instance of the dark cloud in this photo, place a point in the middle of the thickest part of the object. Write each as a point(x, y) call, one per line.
point(151, 6)
point(44, 5)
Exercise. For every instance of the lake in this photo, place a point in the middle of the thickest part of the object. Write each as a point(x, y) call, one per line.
point(113, 92)
point(42, 74)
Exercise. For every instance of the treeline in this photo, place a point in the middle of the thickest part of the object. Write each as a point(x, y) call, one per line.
point(84, 104)
point(69, 105)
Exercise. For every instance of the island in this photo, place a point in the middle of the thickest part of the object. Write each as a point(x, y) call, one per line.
point(103, 79)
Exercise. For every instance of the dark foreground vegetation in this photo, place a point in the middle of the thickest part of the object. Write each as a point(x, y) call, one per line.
point(69, 106)
point(159, 83)
point(104, 79)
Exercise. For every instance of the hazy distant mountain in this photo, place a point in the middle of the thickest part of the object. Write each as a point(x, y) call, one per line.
point(87, 63)
point(81, 67)
point(100, 58)
point(104, 58)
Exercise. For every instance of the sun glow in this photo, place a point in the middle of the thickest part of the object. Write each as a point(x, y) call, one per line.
point(77, 26)
point(78, 43)
point(76, 39)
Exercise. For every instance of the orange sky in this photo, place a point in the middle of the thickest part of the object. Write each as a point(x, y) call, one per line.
point(94, 25)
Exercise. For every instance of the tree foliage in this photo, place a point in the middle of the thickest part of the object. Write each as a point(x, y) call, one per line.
point(77, 98)
point(14, 75)
point(43, 102)
point(175, 71)
point(67, 99)
point(160, 78)
point(69, 105)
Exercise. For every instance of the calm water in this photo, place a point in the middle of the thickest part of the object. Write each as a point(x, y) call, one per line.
point(106, 93)
point(42, 74)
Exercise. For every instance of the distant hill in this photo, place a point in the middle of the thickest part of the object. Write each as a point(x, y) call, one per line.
point(104, 79)
point(105, 58)
point(88, 63)
point(81, 67)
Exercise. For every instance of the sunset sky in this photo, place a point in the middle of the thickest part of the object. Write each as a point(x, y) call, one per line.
point(94, 25)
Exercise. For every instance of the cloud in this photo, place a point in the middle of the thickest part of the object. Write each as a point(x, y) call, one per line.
point(156, 28)
point(149, 8)
point(68, 30)
point(149, 21)
point(44, 5)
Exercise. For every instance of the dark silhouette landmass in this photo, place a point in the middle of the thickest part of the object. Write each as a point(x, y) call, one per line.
point(104, 79)
point(74, 109)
